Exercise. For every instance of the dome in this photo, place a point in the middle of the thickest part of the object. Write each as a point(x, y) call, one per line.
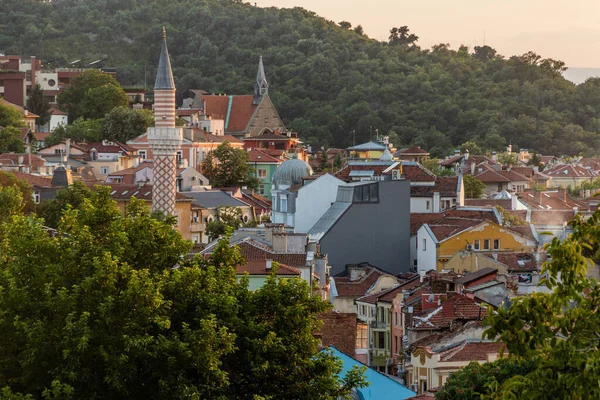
point(291, 172)
point(386, 156)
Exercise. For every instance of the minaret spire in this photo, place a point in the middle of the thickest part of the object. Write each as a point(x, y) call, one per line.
point(261, 86)
point(165, 137)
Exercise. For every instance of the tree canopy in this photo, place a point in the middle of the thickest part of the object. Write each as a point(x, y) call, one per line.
point(326, 80)
point(38, 103)
point(111, 307)
point(91, 95)
point(473, 187)
point(227, 166)
point(122, 123)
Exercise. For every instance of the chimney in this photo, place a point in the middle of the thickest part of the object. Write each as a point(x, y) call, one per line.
point(509, 149)
point(473, 169)
point(494, 156)
point(575, 210)
point(20, 160)
point(280, 242)
point(467, 155)
point(436, 202)
point(562, 194)
point(514, 201)
point(67, 148)
point(269, 264)
point(539, 196)
point(422, 276)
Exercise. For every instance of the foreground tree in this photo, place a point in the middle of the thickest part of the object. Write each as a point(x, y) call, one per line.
point(10, 140)
point(10, 116)
point(227, 166)
point(228, 218)
point(91, 95)
point(560, 329)
point(39, 104)
point(109, 308)
point(8, 180)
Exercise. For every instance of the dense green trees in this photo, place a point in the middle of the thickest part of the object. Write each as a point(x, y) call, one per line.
point(473, 187)
point(111, 308)
point(327, 80)
point(38, 103)
point(122, 124)
point(91, 95)
point(227, 166)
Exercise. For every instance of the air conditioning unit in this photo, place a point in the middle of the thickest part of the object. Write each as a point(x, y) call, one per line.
point(413, 387)
point(396, 174)
point(469, 247)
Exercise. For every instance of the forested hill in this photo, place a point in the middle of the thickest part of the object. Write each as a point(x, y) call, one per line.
point(327, 79)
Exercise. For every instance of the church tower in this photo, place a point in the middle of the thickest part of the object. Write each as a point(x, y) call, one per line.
point(165, 137)
point(261, 87)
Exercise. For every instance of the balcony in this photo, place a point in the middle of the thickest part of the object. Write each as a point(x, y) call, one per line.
point(197, 227)
point(379, 325)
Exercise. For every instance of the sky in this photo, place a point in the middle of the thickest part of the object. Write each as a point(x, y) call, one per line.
point(566, 30)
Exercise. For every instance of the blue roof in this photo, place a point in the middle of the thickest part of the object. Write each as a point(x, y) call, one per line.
point(380, 386)
point(369, 146)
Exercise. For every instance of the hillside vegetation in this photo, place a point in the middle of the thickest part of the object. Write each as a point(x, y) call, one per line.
point(329, 81)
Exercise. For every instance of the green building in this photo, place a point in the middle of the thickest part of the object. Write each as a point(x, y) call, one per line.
point(263, 166)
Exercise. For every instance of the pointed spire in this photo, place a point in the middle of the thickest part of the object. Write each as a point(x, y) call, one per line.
point(261, 87)
point(164, 75)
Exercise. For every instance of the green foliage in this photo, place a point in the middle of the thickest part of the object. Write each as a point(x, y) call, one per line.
point(89, 130)
point(326, 80)
point(25, 194)
point(559, 328)
point(10, 116)
point(38, 103)
point(98, 311)
point(91, 95)
point(10, 140)
point(227, 218)
point(433, 165)
point(227, 167)
point(509, 219)
point(473, 187)
point(122, 123)
point(474, 381)
point(508, 159)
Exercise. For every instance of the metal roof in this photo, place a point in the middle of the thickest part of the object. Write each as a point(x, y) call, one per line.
point(214, 199)
point(328, 220)
point(369, 172)
point(369, 146)
point(164, 75)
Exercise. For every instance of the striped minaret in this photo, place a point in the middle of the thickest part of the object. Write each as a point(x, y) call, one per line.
point(164, 138)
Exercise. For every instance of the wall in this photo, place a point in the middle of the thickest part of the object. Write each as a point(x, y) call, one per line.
point(509, 241)
point(313, 200)
point(339, 330)
point(378, 233)
point(344, 304)
point(426, 255)
point(265, 116)
point(472, 261)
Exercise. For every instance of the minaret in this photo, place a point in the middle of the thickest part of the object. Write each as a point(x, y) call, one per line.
point(261, 87)
point(164, 138)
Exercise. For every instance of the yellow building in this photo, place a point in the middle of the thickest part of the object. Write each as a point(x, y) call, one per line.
point(438, 243)
point(369, 151)
point(431, 368)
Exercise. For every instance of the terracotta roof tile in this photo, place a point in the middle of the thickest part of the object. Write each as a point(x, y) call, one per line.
point(470, 351)
point(33, 180)
point(259, 267)
point(242, 109)
point(13, 159)
point(260, 156)
point(413, 150)
point(569, 171)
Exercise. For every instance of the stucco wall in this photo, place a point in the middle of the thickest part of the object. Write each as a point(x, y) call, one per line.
point(426, 254)
point(313, 200)
point(378, 233)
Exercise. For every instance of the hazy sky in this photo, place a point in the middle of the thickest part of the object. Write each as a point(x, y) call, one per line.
point(568, 30)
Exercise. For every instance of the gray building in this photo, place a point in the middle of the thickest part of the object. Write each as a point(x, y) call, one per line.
point(369, 222)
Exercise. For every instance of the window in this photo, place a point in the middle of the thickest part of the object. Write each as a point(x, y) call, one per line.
point(58, 152)
point(396, 344)
point(261, 189)
point(424, 244)
point(380, 340)
point(36, 198)
point(179, 155)
point(142, 154)
point(396, 319)
point(104, 170)
point(427, 205)
point(496, 244)
point(476, 244)
point(486, 244)
point(283, 205)
point(262, 173)
point(361, 336)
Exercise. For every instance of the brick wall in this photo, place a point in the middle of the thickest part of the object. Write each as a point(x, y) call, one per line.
point(339, 330)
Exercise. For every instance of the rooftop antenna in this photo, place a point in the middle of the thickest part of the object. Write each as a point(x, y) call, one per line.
point(484, 37)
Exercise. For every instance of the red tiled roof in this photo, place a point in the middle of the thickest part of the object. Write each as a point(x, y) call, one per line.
point(260, 156)
point(471, 351)
point(33, 180)
point(121, 191)
point(555, 200)
point(457, 307)
point(56, 110)
point(347, 288)
point(511, 260)
point(452, 217)
point(41, 136)
point(569, 171)
point(259, 267)
point(451, 160)
point(550, 217)
point(242, 109)
point(13, 159)
point(215, 106)
point(417, 173)
point(187, 111)
point(253, 251)
point(504, 203)
point(413, 150)
point(446, 186)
